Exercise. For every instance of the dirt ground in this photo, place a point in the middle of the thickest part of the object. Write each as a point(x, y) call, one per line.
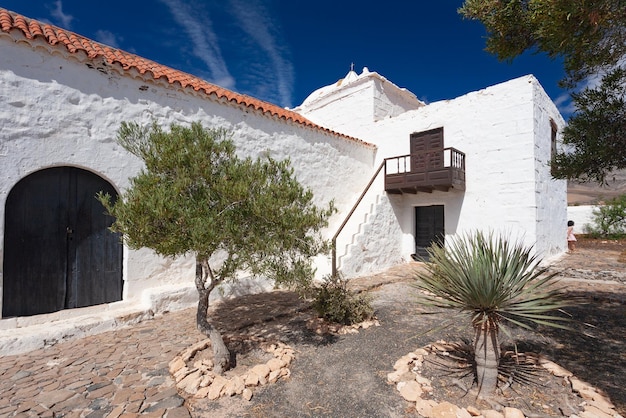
point(345, 375)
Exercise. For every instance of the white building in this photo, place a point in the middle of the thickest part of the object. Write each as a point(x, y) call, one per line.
point(507, 133)
point(63, 97)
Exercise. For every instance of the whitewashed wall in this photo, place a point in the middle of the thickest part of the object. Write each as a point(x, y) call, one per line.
point(505, 132)
point(582, 216)
point(57, 111)
point(550, 194)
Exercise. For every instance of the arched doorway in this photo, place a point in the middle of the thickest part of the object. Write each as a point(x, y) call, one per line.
point(58, 250)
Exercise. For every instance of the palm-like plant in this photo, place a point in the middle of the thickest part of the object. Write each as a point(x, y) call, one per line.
point(494, 281)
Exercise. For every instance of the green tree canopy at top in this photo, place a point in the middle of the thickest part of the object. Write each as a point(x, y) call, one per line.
point(590, 37)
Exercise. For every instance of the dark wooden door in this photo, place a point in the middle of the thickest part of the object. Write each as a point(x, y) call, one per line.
point(427, 150)
point(58, 251)
point(429, 228)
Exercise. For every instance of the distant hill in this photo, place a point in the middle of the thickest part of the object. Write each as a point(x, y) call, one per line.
point(591, 193)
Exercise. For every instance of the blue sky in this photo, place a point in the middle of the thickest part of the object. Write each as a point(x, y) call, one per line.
point(282, 50)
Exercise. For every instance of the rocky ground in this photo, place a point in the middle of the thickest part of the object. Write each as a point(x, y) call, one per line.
point(346, 375)
point(127, 372)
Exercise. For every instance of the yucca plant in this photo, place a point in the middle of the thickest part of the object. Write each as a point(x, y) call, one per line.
point(495, 281)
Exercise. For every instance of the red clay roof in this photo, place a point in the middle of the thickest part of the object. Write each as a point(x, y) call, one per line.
point(74, 43)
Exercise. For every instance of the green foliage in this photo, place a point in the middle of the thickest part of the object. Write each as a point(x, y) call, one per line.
point(609, 220)
point(590, 38)
point(596, 133)
point(335, 303)
point(492, 280)
point(195, 196)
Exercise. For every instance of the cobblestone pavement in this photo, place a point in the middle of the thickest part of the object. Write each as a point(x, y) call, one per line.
point(121, 373)
point(124, 373)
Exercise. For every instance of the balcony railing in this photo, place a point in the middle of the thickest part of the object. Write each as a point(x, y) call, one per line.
point(441, 169)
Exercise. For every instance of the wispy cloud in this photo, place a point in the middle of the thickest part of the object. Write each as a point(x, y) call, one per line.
point(239, 42)
point(62, 19)
point(258, 24)
point(204, 40)
point(565, 105)
point(108, 38)
point(564, 102)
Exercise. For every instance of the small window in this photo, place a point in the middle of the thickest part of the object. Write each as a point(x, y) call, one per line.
point(554, 131)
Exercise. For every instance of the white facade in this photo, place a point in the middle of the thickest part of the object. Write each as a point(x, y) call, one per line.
point(505, 132)
point(59, 108)
point(582, 216)
point(57, 111)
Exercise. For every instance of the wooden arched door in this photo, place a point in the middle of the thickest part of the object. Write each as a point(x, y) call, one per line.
point(58, 250)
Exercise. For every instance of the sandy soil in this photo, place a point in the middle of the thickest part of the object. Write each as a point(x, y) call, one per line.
point(345, 375)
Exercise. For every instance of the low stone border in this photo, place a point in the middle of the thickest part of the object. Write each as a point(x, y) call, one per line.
point(199, 380)
point(413, 387)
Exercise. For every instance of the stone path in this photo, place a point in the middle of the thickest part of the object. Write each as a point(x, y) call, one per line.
point(121, 373)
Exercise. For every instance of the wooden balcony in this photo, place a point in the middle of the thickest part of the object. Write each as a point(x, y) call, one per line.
point(441, 169)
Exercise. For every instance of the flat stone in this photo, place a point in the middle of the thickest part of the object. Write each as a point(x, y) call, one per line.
point(588, 394)
point(79, 384)
point(20, 375)
point(444, 410)
point(262, 370)
point(411, 391)
point(274, 376)
point(287, 358)
point(202, 392)
point(137, 395)
point(102, 392)
point(171, 402)
point(578, 385)
point(555, 369)
point(116, 412)
point(25, 406)
point(75, 403)
point(191, 382)
point(216, 387)
point(473, 411)
point(399, 376)
point(593, 412)
point(176, 364)
point(157, 413)
point(251, 379)
point(513, 413)
point(238, 385)
point(49, 399)
point(275, 364)
point(402, 365)
point(228, 389)
point(424, 407)
point(422, 380)
point(246, 394)
point(162, 394)
point(180, 412)
point(603, 404)
point(463, 413)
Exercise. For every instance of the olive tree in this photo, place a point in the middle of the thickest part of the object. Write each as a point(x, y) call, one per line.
point(236, 216)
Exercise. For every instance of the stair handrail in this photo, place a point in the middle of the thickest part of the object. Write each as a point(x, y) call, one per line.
point(334, 240)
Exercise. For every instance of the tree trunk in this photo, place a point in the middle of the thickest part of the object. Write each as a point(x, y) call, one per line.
point(487, 357)
point(221, 355)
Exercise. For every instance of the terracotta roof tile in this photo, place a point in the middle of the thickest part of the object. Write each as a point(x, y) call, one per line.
point(74, 43)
